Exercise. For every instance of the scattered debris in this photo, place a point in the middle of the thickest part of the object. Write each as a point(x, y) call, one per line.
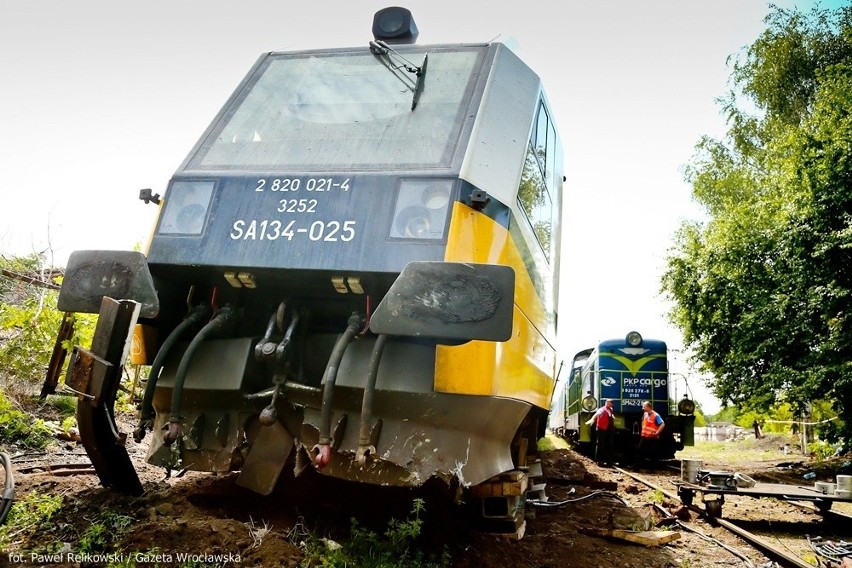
point(59, 469)
point(835, 551)
point(682, 513)
point(258, 533)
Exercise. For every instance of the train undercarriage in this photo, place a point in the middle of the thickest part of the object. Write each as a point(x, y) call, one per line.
point(227, 420)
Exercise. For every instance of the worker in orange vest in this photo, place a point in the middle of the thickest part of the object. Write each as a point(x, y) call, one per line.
point(649, 439)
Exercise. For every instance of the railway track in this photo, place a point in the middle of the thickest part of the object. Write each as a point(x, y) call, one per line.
point(783, 553)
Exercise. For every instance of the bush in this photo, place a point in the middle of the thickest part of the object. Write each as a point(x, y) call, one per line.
point(29, 322)
point(19, 428)
point(821, 450)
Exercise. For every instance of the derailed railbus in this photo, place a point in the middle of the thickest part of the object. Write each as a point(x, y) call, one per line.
point(355, 269)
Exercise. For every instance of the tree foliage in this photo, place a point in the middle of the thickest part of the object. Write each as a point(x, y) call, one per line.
point(761, 289)
point(29, 322)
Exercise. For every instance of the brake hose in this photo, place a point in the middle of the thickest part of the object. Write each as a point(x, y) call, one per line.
point(8, 488)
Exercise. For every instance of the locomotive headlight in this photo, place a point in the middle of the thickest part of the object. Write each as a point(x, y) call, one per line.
point(634, 339)
point(686, 406)
point(421, 209)
point(186, 208)
point(589, 403)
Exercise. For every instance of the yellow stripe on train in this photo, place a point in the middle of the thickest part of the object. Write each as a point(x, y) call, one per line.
point(522, 367)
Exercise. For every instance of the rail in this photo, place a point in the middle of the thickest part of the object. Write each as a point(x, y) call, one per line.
point(774, 552)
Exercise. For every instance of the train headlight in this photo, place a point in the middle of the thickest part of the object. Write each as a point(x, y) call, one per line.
point(634, 339)
point(421, 209)
point(186, 208)
point(686, 406)
point(589, 403)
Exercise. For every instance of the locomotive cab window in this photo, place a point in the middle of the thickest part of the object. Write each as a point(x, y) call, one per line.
point(537, 179)
point(344, 110)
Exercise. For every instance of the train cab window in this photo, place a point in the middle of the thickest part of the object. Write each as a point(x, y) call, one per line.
point(534, 192)
point(344, 109)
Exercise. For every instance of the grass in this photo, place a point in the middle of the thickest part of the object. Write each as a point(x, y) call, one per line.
point(103, 532)
point(395, 548)
point(769, 448)
point(552, 442)
point(28, 516)
point(18, 427)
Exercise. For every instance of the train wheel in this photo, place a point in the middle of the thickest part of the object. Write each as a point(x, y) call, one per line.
point(713, 508)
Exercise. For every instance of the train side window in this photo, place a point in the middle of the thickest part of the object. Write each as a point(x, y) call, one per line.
point(541, 139)
point(535, 200)
point(533, 192)
point(550, 163)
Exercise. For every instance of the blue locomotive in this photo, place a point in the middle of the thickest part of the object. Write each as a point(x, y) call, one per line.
point(628, 371)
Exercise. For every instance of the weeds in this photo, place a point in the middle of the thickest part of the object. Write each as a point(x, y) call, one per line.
point(27, 516)
point(395, 548)
point(103, 532)
point(19, 428)
point(65, 406)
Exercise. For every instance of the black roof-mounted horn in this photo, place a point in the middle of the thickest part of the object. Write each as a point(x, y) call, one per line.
point(394, 25)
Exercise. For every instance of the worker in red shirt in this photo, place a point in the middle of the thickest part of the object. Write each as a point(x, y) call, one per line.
point(604, 425)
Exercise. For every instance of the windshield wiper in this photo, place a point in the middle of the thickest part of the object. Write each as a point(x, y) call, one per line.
point(394, 61)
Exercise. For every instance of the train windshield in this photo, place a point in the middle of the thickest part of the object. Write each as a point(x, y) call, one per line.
point(345, 110)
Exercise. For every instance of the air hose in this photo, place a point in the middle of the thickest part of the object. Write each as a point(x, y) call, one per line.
point(217, 323)
point(147, 415)
point(8, 488)
point(323, 448)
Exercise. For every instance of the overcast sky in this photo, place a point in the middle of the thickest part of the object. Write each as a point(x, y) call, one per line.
point(101, 98)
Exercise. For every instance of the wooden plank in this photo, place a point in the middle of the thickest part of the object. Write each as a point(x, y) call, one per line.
point(646, 538)
point(512, 475)
point(511, 483)
point(523, 444)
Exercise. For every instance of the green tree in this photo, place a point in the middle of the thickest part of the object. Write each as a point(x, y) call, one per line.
point(29, 321)
point(761, 289)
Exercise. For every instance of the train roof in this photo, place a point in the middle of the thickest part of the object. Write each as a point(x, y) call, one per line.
point(652, 344)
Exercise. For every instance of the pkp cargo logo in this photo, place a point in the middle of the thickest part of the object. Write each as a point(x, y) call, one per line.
point(608, 381)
